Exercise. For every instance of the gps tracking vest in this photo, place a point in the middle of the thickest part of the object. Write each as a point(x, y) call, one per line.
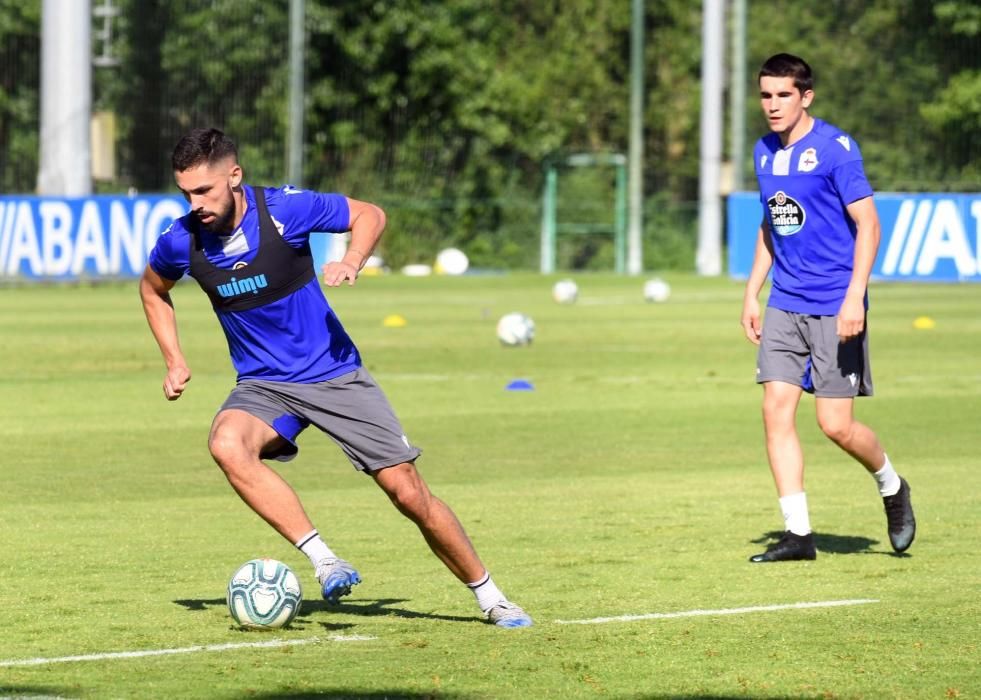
point(277, 270)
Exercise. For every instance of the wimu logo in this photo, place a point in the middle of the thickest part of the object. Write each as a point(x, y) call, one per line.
point(246, 285)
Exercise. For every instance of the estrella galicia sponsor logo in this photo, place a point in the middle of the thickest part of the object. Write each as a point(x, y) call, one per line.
point(246, 285)
point(786, 215)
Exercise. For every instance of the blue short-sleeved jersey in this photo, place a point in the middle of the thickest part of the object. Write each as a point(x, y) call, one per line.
point(297, 338)
point(805, 189)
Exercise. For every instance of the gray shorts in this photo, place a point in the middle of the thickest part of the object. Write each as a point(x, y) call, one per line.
point(805, 350)
point(351, 409)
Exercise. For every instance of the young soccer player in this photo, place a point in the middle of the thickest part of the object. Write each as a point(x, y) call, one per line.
point(819, 234)
point(248, 248)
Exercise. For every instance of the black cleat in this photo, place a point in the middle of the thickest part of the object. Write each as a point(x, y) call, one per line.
point(790, 547)
point(899, 515)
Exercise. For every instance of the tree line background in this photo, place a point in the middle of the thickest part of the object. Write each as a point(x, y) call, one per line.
point(444, 111)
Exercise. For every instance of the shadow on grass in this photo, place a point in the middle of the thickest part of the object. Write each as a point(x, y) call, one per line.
point(35, 692)
point(702, 696)
point(834, 544)
point(378, 607)
point(340, 694)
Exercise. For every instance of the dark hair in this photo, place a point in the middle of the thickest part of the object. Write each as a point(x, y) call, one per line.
point(785, 65)
point(202, 146)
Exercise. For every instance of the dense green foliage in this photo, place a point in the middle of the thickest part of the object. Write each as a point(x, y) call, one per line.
point(445, 111)
point(19, 82)
point(631, 481)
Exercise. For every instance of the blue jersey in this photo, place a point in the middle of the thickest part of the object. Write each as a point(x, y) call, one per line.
point(805, 189)
point(297, 338)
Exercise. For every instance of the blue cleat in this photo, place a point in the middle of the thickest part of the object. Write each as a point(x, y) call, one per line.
point(507, 614)
point(336, 577)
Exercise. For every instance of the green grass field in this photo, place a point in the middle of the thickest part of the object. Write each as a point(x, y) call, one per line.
point(631, 481)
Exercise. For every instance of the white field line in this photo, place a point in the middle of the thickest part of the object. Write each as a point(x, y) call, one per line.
point(724, 611)
point(272, 643)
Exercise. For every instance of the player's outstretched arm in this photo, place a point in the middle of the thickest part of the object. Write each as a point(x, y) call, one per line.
point(367, 224)
point(159, 310)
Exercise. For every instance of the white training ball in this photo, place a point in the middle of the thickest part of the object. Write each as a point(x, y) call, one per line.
point(656, 290)
point(565, 291)
point(417, 270)
point(451, 261)
point(515, 329)
point(264, 594)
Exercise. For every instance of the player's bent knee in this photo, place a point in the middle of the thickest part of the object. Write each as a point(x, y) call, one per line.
point(226, 447)
point(412, 499)
point(837, 431)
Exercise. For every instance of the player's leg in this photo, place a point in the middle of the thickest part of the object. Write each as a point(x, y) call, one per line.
point(780, 401)
point(782, 369)
point(842, 372)
point(238, 442)
point(837, 421)
point(354, 411)
point(783, 450)
point(447, 539)
point(440, 527)
point(836, 418)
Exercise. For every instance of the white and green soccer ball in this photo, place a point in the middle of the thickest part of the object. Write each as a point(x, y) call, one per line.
point(565, 291)
point(264, 594)
point(515, 329)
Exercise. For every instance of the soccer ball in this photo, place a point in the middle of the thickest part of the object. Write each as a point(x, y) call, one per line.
point(265, 594)
point(656, 290)
point(565, 291)
point(451, 261)
point(515, 329)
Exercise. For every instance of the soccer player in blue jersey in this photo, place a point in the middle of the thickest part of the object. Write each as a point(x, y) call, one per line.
point(819, 234)
point(248, 248)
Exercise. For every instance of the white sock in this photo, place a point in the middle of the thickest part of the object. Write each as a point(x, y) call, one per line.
point(888, 479)
point(314, 547)
point(795, 518)
point(487, 594)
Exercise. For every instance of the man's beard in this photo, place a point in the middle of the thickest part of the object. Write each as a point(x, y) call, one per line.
point(222, 224)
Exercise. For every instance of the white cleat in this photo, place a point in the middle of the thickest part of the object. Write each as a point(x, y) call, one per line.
point(507, 614)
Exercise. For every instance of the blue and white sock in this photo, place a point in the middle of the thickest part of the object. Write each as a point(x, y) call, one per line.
point(487, 594)
point(314, 547)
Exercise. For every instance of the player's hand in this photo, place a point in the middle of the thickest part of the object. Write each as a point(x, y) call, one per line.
point(851, 318)
point(336, 272)
point(751, 321)
point(175, 382)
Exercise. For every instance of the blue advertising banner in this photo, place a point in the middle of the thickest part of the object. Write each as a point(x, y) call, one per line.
point(925, 237)
point(53, 238)
point(105, 236)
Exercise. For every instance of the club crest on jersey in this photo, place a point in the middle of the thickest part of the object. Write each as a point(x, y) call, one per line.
point(808, 161)
point(786, 214)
